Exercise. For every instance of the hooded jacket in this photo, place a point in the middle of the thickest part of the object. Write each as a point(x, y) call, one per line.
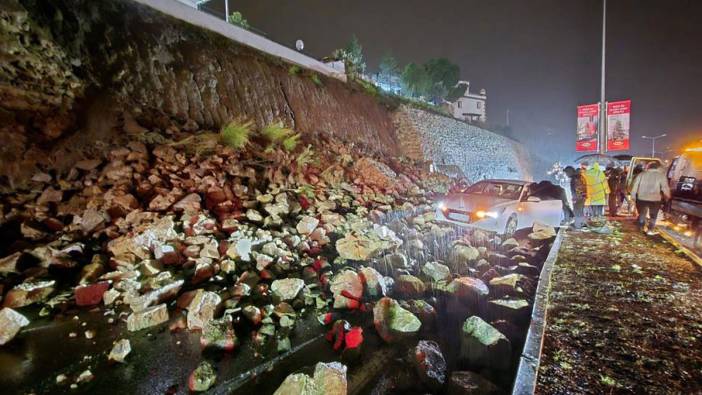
point(650, 186)
point(597, 188)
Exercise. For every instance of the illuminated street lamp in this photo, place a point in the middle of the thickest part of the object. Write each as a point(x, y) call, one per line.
point(653, 143)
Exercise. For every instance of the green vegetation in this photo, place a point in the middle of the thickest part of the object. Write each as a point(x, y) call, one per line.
point(278, 135)
point(352, 56)
point(315, 78)
point(294, 70)
point(237, 134)
point(235, 18)
point(435, 79)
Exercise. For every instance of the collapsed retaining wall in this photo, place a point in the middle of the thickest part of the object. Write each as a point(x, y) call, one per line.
point(478, 152)
point(77, 72)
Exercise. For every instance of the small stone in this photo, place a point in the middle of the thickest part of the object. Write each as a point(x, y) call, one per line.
point(254, 216)
point(219, 334)
point(120, 350)
point(85, 376)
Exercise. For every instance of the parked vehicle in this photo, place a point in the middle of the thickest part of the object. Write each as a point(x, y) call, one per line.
point(685, 178)
point(642, 163)
point(501, 206)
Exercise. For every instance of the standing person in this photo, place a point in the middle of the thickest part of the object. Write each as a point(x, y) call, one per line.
point(633, 204)
point(650, 188)
point(578, 189)
point(614, 183)
point(623, 190)
point(597, 190)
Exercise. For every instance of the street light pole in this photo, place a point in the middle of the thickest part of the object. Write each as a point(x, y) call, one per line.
point(603, 104)
point(226, 10)
point(653, 142)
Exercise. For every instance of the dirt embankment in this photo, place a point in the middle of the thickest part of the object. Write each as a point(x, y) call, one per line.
point(88, 68)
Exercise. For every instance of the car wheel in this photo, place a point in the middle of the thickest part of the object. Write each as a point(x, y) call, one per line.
point(511, 225)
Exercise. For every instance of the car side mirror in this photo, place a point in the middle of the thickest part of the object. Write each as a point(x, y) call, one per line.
point(534, 199)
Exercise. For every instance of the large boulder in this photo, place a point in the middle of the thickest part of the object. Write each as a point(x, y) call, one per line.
point(468, 290)
point(461, 256)
point(430, 364)
point(511, 284)
point(484, 346)
point(540, 232)
point(392, 322)
point(10, 324)
point(408, 286)
point(512, 310)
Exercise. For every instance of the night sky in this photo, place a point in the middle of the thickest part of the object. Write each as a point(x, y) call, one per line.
point(537, 58)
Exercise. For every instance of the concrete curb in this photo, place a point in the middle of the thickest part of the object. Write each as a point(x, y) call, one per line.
point(525, 382)
point(667, 236)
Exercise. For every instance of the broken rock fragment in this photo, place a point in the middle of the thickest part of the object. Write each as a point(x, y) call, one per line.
point(219, 334)
point(392, 322)
point(484, 346)
point(119, 352)
point(28, 293)
point(90, 295)
point(287, 288)
point(202, 308)
point(202, 378)
point(430, 364)
point(10, 324)
point(147, 318)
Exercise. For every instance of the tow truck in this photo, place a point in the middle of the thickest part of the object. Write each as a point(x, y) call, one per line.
point(685, 207)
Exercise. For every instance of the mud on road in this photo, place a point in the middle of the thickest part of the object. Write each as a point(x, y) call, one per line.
point(625, 316)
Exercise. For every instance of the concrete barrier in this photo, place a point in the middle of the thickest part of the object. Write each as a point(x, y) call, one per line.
point(194, 17)
point(527, 373)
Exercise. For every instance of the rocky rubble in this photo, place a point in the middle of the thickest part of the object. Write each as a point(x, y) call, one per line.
point(237, 245)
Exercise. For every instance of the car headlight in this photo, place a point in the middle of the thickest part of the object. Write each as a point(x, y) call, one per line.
point(442, 207)
point(482, 214)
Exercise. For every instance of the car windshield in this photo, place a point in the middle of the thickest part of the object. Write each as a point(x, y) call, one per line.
point(502, 190)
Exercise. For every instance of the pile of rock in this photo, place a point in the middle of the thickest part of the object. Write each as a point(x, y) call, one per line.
point(210, 243)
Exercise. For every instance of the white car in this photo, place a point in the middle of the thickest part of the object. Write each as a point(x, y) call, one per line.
point(501, 206)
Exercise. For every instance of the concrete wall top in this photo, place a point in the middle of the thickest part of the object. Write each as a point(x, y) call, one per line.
point(195, 17)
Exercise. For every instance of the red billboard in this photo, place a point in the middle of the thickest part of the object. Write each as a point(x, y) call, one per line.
point(618, 121)
point(588, 119)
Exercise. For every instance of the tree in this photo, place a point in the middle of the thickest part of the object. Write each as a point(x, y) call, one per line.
point(443, 76)
point(389, 68)
point(415, 80)
point(352, 56)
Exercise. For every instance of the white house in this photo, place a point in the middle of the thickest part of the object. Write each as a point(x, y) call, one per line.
point(469, 106)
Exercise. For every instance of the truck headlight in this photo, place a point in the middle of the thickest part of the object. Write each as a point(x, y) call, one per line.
point(442, 207)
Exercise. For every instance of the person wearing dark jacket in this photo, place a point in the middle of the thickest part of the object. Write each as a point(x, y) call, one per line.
point(614, 176)
point(578, 189)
